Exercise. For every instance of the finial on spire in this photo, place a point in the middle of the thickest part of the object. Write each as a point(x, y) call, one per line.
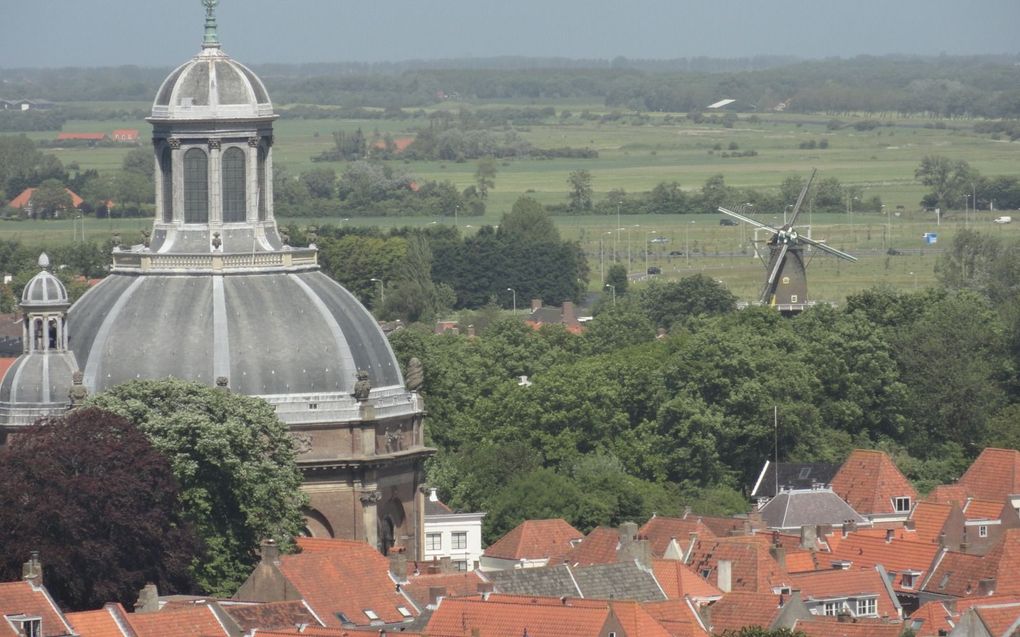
point(44, 261)
point(211, 39)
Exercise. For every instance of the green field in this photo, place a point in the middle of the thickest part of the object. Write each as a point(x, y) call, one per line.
point(636, 158)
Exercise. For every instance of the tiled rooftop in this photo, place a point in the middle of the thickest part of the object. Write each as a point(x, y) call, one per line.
point(598, 547)
point(866, 552)
point(536, 539)
point(870, 482)
point(994, 475)
point(512, 617)
point(22, 598)
point(753, 567)
point(831, 627)
point(351, 579)
point(830, 584)
point(678, 580)
point(659, 530)
point(741, 608)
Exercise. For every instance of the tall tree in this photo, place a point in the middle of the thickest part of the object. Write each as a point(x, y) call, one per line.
point(580, 190)
point(91, 494)
point(50, 198)
point(235, 464)
point(528, 222)
point(949, 179)
point(485, 176)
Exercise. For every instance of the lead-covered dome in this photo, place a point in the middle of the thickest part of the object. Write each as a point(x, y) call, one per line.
point(44, 289)
point(212, 85)
point(270, 334)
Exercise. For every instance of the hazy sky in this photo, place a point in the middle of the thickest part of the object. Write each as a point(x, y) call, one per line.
point(163, 33)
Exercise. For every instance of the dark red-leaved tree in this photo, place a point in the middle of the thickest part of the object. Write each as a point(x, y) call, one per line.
point(99, 503)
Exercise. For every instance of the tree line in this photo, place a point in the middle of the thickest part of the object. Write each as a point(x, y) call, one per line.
point(616, 423)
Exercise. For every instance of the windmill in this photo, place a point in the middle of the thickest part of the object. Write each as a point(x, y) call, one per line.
point(786, 279)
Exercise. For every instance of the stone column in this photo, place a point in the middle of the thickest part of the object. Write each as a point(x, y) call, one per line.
point(215, 184)
point(177, 178)
point(251, 174)
point(370, 513)
point(269, 180)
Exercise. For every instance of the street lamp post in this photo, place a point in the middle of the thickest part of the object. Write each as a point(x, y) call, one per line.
point(913, 274)
point(382, 291)
point(613, 288)
point(515, 298)
point(888, 226)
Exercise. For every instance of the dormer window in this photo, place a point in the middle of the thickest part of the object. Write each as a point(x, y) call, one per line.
point(902, 504)
point(26, 626)
point(867, 607)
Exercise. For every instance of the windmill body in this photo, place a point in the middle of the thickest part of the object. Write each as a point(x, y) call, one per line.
point(785, 285)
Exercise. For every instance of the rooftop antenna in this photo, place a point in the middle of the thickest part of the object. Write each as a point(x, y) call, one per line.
point(211, 40)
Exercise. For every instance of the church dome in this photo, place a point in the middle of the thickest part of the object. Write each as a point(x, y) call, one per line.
point(270, 333)
point(44, 289)
point(212, 85)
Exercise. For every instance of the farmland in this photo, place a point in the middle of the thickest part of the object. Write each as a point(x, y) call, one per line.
point(635, 153)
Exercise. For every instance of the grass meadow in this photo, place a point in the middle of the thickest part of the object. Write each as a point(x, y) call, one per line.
point(636, 158)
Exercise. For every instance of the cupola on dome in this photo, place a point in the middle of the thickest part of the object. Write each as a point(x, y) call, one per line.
point(44, 289)
point(212, 85)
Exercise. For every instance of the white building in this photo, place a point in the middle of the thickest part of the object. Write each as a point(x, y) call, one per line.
point(457, 536)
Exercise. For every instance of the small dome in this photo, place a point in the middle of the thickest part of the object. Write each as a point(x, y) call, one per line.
point(44, 289)
point(212, 86)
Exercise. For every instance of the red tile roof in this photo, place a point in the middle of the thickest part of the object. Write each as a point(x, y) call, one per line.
point(832, 627)
point(125, 134)
point(976, 509)
point(866, 552)
point(947, 494)
point(99, 623)
point(5, 364)
point(999, 619)
point(26, 196)
point(506, 616)
point(659, 530)
point(678, 617)
point(994, 475)
point(348, 577)
point(722, 527)
point(192, 621)
point(598, 547)
point(802, 561)
point(400, 144)
point(677, 580)
point(456, 585)
point(869, 482)
point(535, 540)
point(938, 615)
point(96, 137)
point(636, 621)
point(929, 519)
point(752, 566)
point(270, 615)
point(741, 608)
point(830, 584)
point(22, 598)
point(961, 575)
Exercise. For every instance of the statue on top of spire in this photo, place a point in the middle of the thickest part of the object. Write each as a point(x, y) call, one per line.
point(211, 39)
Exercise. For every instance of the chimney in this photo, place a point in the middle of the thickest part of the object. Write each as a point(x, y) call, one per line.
point(889, 536)
point(476, 632)
point(757, 521)
point(794, 596)
point(484, 587)
point(724, 576)
point(148, 599)
point(435, 593)
point(31, 571)
point(568, 313)
point(843, 617)
point(471, 331)
point(986, 586)
point(445, 564)
point(775, 538)
point(433, 496)
point(398, 565)
point(536, 304)
point(269, 551)
point(661, 333)
point(628, 533)
point(910, 525)
point(687, 511)
point(808, 537)
point(779, 555)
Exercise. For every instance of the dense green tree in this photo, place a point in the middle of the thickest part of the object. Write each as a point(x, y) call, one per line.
point(617, 326)
point(485, 176)
point(353, 261)
point(134, 188)
point(618, 279)
point(414, 296)
point(139, 161)
point(949, 180)
point(234, 461)
point(50, 199)
point(320, 182)
point(580, 190)
point(91, 494)
point(528, 222)
point(669, 302)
